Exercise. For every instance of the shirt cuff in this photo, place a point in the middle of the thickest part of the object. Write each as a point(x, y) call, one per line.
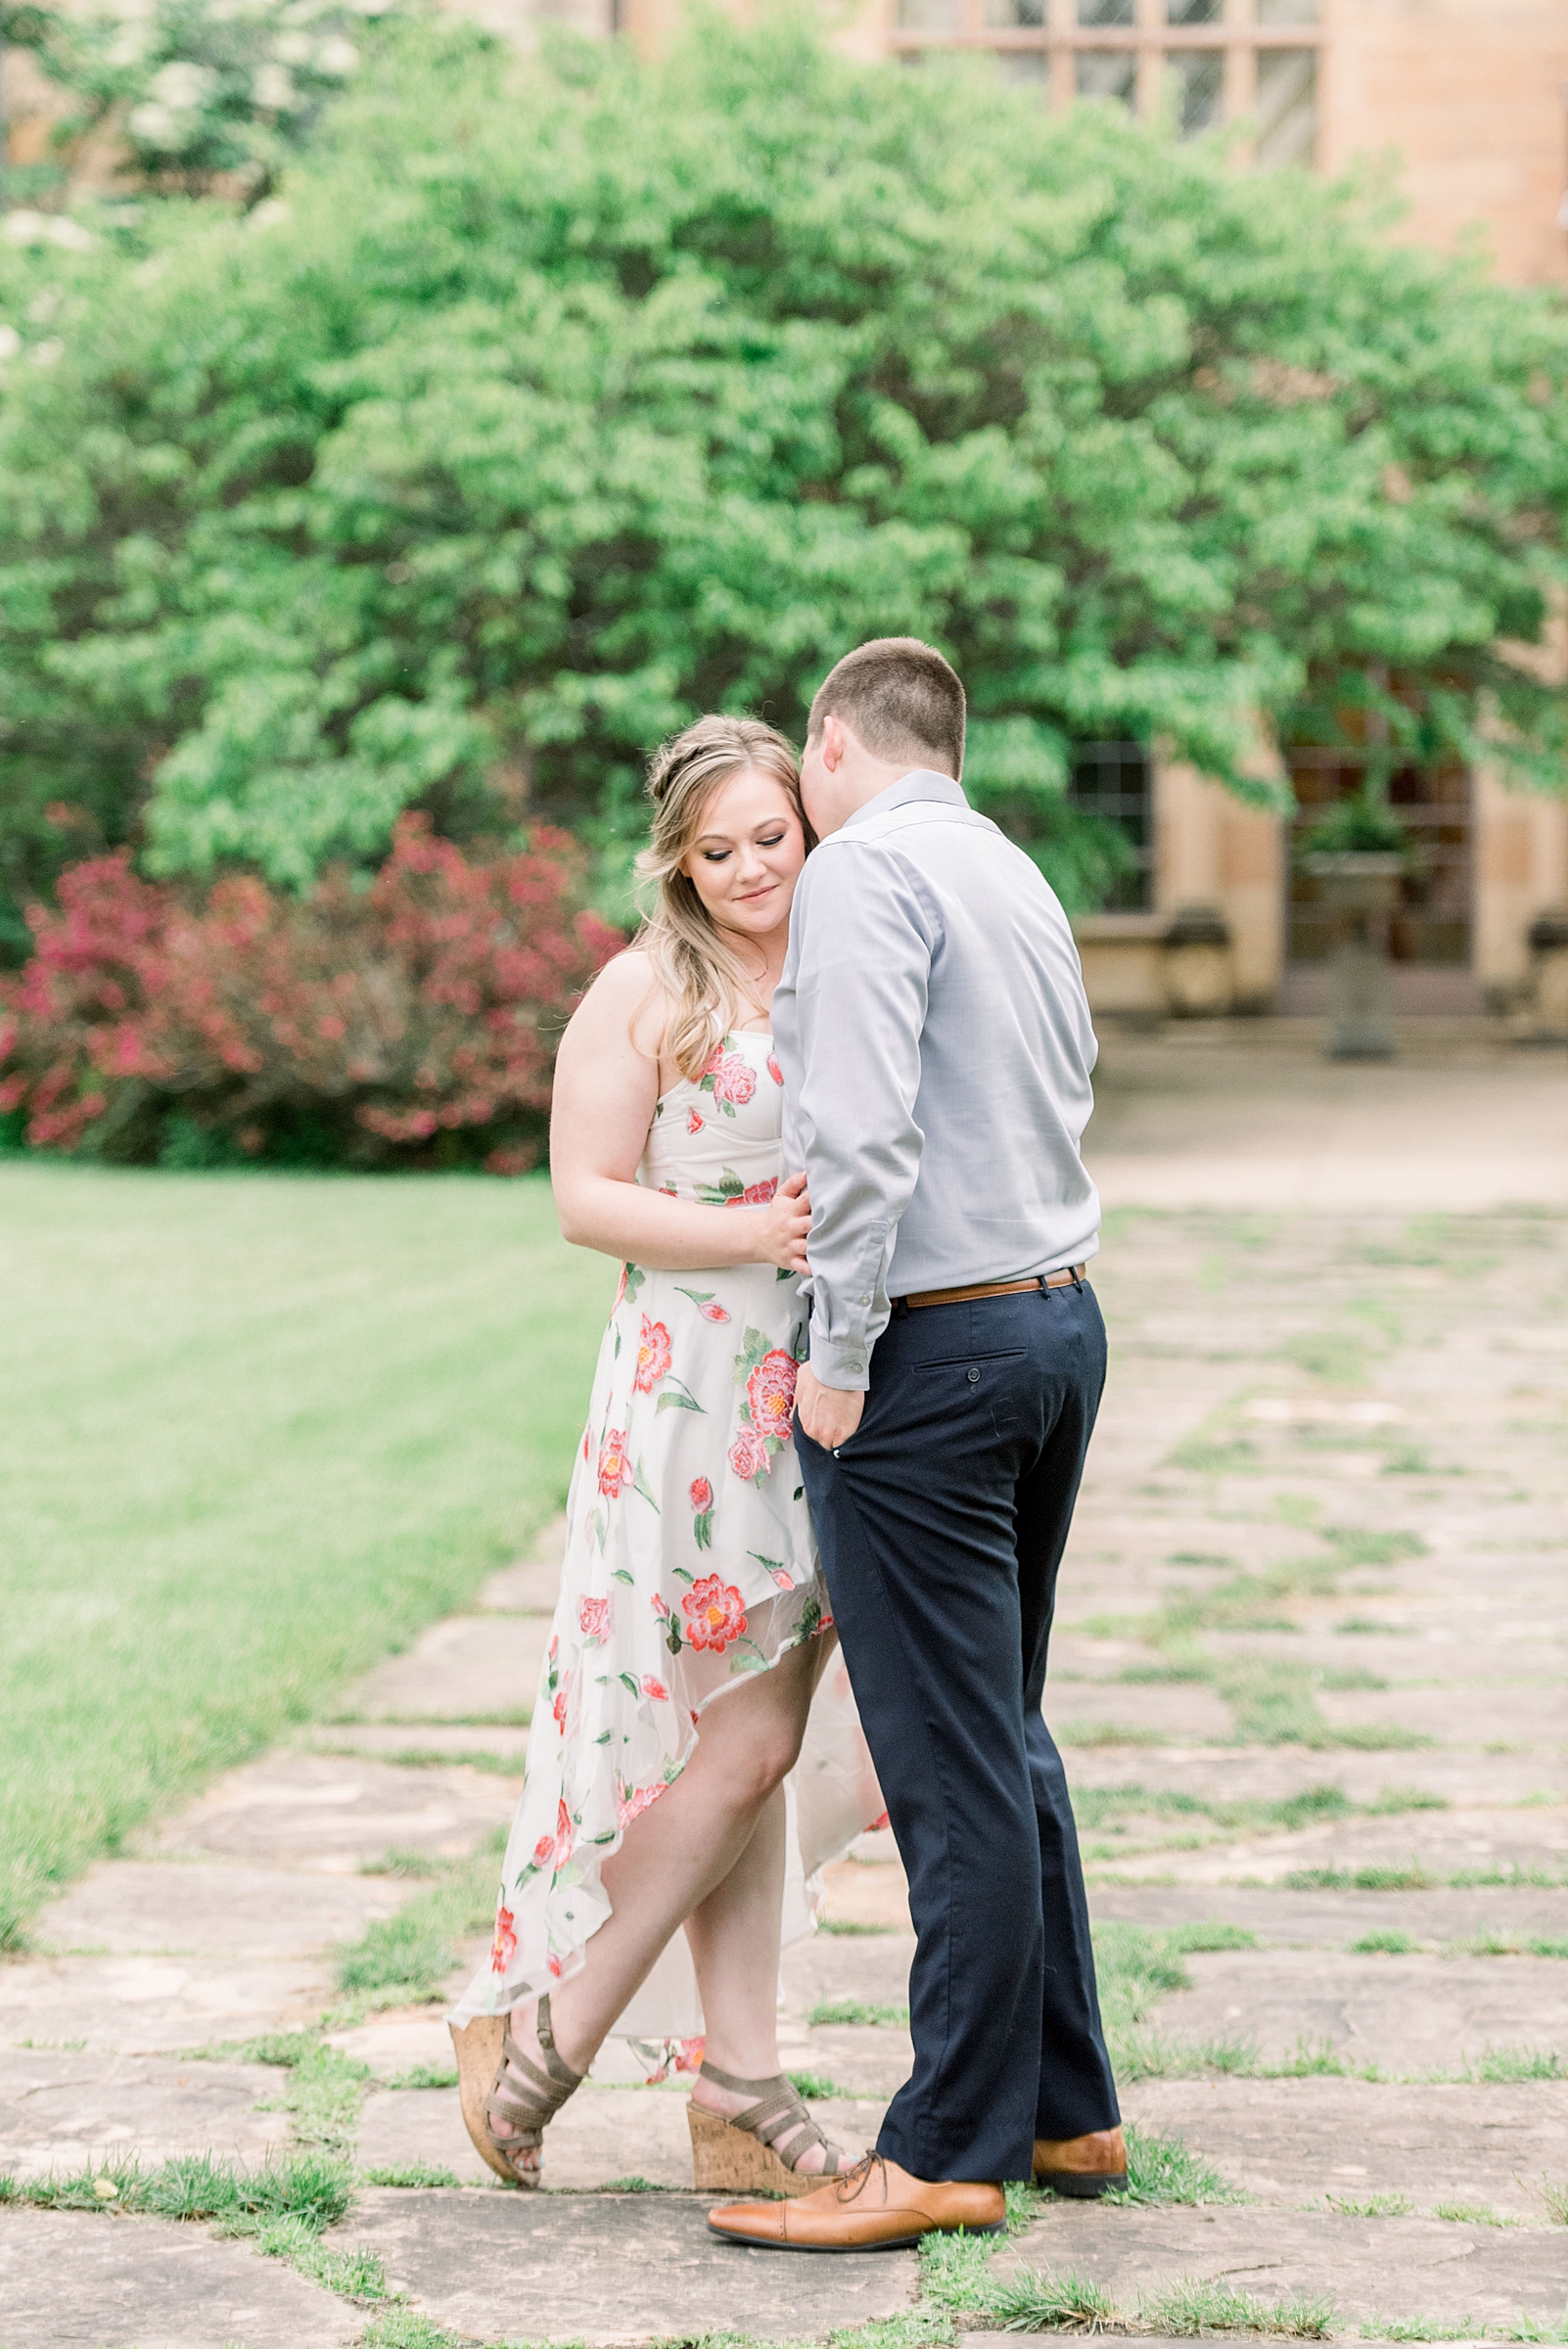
point(840, 1363)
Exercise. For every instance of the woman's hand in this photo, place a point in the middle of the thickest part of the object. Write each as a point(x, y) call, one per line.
point(785, 1224)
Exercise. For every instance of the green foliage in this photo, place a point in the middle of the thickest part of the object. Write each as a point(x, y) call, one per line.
point(562, 395)
point(206, 96)
point(1365, 825)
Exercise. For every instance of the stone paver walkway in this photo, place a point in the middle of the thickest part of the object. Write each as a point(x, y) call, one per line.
point(1311, 1674)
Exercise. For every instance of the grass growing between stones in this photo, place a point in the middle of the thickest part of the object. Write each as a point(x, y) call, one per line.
point(1161, 2167)
point(859, 2011)
point(957, 2275)
point(281, 2208)
point(416, 2174)
point(813, 2086)
point(1189, 2306)
point(1493, 1943)
point(1272, 1698)
point(1107, 1809)
point(1138, 1965)
point(425, 2075)
point(402, 2329)
point(406, 1959)
point(256, 1431)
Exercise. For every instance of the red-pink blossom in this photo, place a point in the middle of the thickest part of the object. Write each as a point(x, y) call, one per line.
point(714, 1612)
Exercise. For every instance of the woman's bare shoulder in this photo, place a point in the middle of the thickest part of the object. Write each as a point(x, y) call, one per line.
point(625, 998)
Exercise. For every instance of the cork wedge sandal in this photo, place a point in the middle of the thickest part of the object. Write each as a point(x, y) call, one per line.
point(760, 2146)
point(490, 2092)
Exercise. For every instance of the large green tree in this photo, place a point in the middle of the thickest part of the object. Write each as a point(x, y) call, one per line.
point(564, 397)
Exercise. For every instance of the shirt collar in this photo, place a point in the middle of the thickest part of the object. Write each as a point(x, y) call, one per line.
point(921, 783)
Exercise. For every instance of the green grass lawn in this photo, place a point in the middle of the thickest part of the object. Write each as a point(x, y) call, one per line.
point(255, 1431)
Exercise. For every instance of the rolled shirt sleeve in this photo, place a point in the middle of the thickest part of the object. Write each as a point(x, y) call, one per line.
point(865, 934)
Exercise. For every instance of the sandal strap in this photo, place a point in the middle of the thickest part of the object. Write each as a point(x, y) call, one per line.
point(778, 2119)
point(530, 2102)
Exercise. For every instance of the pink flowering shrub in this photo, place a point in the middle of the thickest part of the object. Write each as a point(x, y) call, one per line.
point(413, 1022)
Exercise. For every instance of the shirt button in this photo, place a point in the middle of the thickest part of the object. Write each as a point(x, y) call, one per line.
point(974, 1378)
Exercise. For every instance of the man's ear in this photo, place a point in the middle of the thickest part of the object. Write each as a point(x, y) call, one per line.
point(835, 742)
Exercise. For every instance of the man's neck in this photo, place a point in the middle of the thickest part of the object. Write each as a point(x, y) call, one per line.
point(869, 781)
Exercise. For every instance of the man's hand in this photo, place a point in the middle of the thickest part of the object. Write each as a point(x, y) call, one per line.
point(829, 1415)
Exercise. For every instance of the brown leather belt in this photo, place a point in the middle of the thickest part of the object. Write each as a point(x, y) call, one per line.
point(1068, 1277)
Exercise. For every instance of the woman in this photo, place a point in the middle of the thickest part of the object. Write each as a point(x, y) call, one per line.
point(690, 1570)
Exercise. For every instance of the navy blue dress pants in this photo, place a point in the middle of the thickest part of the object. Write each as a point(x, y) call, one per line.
point(942, 1524)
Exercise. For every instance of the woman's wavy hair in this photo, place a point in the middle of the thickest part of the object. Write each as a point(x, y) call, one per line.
point(701, 979)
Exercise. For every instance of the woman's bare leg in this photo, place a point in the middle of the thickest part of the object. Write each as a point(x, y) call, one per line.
point(674, 1855)
point(734, 1941)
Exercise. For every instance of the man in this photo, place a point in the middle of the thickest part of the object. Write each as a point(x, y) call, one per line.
point(936, 1046)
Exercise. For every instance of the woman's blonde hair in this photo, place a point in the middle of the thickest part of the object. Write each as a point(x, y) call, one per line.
point(699, 975)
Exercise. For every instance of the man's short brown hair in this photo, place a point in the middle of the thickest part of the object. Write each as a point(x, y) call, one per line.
point(901, 699)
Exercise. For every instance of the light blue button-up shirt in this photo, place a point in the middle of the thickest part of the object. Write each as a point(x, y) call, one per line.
point(936, 1044)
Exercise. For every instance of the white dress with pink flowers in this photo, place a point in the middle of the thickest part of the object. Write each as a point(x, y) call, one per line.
point(689, 1564)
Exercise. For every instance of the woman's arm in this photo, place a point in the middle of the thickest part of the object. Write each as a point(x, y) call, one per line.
point(605, 1092)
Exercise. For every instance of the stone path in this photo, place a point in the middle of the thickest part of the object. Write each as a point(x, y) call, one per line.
point(1312, 1680)
point(1232, 1112)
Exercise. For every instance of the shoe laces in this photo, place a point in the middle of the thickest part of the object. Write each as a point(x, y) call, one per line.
point(850, 2182)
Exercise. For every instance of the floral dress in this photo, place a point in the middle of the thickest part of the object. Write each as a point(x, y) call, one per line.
point(689, 1564)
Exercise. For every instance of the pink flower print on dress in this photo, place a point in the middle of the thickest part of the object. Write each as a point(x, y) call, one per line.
point(704, 1300)
point(654, 1354)
point(695, 1121)
point(616, 1472)
point(594, 1618)
point(701, 1498)
point(655, 1688)
point(757, 1194)
point(730, 1077)
point(748, 1456)
point(504, 1944)
point(554, 1851)
point(631, 1804)
point(774, 1070)
point(701, 1494)
point(771, 1392)
point(783, 1577)
point(715, 1614)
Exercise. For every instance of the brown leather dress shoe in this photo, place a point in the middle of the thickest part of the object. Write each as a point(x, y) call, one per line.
point(1081, 2166)
point(874, 2207)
